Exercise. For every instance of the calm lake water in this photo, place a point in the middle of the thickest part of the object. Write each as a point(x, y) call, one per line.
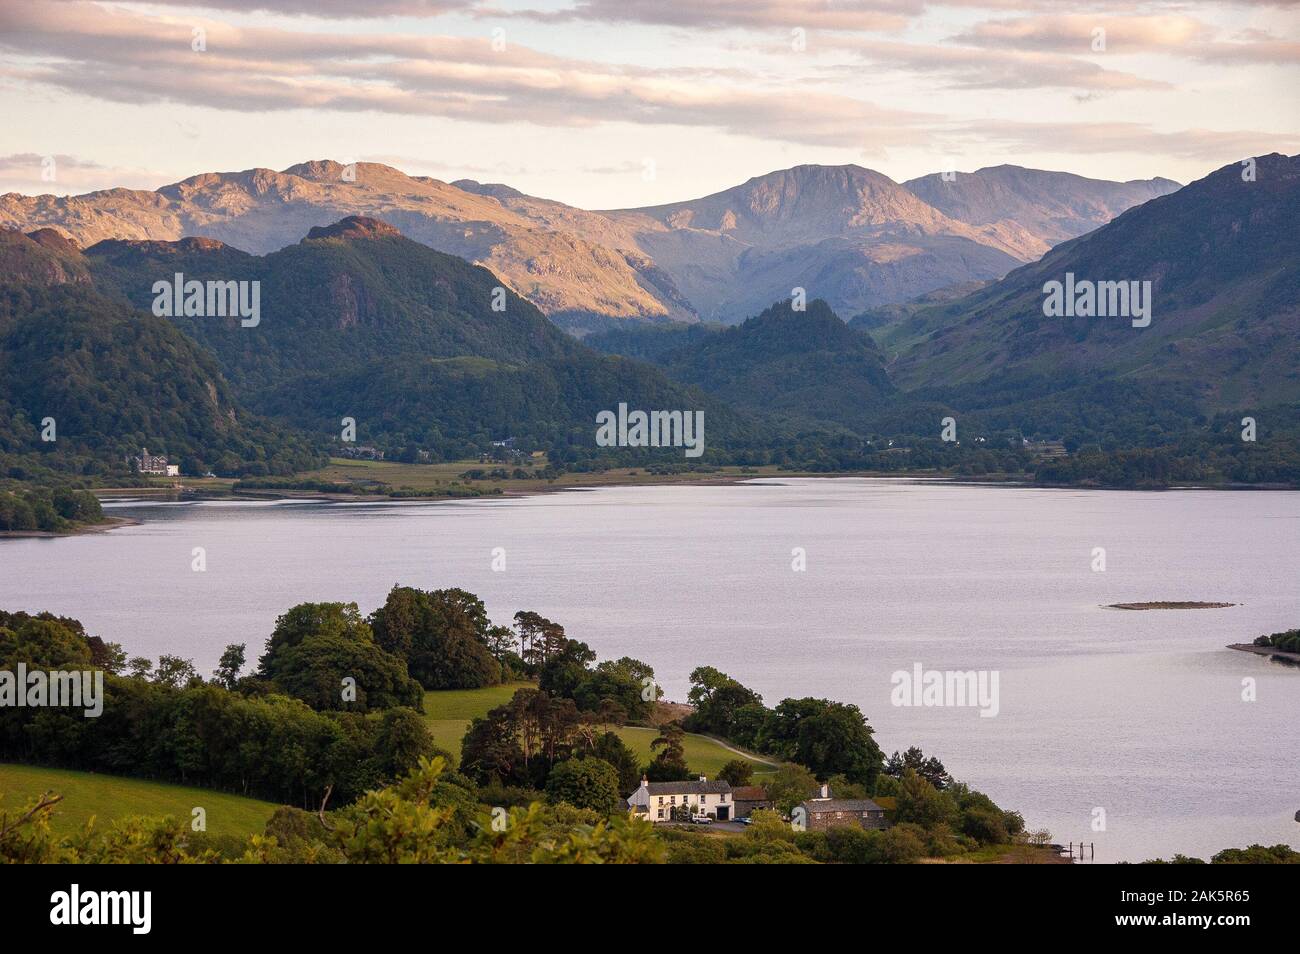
point(1137, 713)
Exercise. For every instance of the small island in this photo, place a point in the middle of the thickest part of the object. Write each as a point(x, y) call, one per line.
point(1169, 605)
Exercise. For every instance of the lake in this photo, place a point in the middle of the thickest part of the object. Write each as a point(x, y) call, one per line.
point(1139, 714)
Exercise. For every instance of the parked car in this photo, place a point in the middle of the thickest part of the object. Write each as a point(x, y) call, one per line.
point(745, 821)
point(701, 820)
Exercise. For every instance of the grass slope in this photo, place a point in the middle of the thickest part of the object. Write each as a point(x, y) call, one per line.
point(109, 797)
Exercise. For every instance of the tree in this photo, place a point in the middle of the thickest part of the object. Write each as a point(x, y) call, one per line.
point(442, 634)
point(829, 737)
point(539, 638)
point(41, 643)
point(930, 769)
point(490, 752)
point(565, 667)
point(313, 619)
point(737, 773)
point(610, 748)
point(717, 698)
point(228, 668)
point(921, 803)
point(670, 764)
point(790, 785)
point(767, 826)
point(621, 681)
point(174, 671)
point(585, 783)
point(315, 671)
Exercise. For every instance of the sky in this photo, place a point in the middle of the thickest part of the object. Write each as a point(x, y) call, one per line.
point(624, 103)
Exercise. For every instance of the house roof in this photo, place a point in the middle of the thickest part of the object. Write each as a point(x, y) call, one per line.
point(749, 793)
point(818, 806)
point(688, 788)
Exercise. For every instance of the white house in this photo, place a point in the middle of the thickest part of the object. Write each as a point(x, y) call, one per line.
point(655, 801)
point(148, 463)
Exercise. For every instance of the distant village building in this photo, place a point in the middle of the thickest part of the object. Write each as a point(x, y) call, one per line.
point(148, 463)
point(364, 452)
point(655, 801)
point(825, 812)
point(1045, 450)
point(749, 799)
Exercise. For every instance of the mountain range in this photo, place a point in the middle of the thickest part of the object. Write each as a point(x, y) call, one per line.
point(432, 354)
point(846, 234)
point(421, 349)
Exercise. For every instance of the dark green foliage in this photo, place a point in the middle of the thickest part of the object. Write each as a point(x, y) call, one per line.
point(201, 734)
point(808, 365)
point(48, 510)
point(441, 634)
point(520, 742)
point(930, 769)
point(612, 749)
point(315, 647)
point(738, 773)
point(585, 783)
point(315, 669)
point(669, 763)
point(114, 380)
point(1288, 641)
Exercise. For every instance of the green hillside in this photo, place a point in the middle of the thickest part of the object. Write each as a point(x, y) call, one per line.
point(424, 350)
point(115, 379)
point(109, 797)
point(1221, 257)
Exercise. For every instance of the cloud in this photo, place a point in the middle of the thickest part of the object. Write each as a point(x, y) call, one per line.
point(975, 68)
point(123, 56)
point(1201, 145)
point(735, 14)
point(1073, 33)
point(329, 9)
point(59, 174)
point(1174, 34)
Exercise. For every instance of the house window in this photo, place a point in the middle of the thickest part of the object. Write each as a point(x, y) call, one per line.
point(661, 813)
point(661, 799)
point(672, 800)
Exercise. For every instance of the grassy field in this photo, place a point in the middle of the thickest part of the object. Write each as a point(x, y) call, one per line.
point(441, 476)
point(108, 797)
point(448, 714)
point(434, 476)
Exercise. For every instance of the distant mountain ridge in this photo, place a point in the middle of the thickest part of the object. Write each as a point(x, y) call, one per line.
point(1054, 206)
point(846, 234)
point(1222, 255)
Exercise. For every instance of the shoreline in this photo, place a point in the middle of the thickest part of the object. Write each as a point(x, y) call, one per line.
point(109, 523)
point(640, 480)
point(1292, 658)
